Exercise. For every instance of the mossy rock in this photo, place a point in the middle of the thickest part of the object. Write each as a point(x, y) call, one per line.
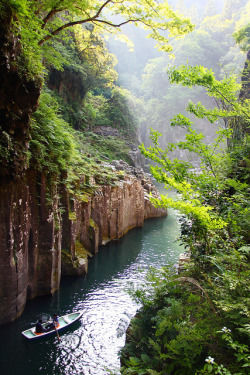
point(74, 267)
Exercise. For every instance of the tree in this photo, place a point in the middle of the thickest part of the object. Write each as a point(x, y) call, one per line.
point(231, 6)
point(179, 174)
point(41, 22)
point(168, 336)
point(242, 37)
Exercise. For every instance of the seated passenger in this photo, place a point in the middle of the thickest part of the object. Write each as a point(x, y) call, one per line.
point(54, 324)
point(39, 327)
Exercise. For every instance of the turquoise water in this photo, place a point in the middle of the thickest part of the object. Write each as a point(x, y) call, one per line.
point(91, 345)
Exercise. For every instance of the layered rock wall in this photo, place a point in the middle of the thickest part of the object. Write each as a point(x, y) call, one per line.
point(45, 231)
point(30, 244)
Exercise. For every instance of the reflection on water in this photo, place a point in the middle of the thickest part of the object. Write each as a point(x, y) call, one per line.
point(91, 345)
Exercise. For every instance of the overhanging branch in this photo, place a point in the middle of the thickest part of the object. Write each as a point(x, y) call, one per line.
point(81, 22)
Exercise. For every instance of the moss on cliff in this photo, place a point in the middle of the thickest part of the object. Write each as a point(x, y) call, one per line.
point(55, 148)
point(77, 265)
point(81, 252)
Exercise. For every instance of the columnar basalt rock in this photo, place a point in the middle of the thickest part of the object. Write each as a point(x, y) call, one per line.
point(30, 244)
point(106, 216)
point(35, 238)
point(14, 224)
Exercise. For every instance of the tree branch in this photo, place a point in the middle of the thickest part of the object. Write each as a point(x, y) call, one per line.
point(80, 22)
point(89, 19)
point(50, 15)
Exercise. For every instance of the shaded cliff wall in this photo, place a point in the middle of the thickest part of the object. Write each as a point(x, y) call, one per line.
point(245, 90)
point(30, 244)
point(245, 79)
point(35, 237)
point(18, 100)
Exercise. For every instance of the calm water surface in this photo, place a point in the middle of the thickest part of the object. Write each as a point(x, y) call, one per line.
point(91, 345)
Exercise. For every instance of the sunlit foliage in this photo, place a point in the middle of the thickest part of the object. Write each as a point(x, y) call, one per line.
point(39, 23)
point(197, 322)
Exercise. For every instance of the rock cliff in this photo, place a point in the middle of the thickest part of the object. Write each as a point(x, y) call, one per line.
point(46, 231)
point(245, 79)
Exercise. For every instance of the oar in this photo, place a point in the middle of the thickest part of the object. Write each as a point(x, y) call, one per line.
point(57, 334)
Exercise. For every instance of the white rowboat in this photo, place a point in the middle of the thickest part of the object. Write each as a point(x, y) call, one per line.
point(64, 321)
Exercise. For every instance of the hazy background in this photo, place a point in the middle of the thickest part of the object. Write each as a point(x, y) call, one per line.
point(211, 44)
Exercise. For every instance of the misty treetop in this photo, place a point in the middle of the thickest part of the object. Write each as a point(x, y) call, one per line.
point(211, 44)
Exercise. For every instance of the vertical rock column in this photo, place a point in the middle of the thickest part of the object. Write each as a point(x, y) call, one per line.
point(14, 237)
point(30, 243)
point(49, 245)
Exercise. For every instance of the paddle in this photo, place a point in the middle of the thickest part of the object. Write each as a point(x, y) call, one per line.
point(56, 322)
point(57, 334)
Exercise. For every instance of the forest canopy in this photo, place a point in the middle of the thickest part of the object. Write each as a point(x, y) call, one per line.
point(39, 23)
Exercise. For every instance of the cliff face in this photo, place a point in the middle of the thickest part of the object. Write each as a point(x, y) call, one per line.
point(245, 79)
point(38, 242)
point(30, 241)
point(45, 229)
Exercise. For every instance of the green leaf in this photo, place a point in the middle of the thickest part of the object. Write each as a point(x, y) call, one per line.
point(145, 358)
point(134, 361)
point(209, 367)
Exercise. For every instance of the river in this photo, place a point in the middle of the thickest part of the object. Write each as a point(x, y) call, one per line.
point(91, 346)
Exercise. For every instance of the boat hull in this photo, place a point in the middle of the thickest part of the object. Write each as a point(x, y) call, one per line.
point(64, 322)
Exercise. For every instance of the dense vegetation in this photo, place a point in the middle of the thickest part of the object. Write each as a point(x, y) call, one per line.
point(64, 46)
point(197, 322)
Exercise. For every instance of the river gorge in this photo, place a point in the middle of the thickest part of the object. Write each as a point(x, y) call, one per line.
point(92, 345)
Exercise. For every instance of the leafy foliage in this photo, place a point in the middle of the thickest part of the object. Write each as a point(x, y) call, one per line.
point(179, 174)
point(55, 148)
point(182, 324)
point(52, 144)
point(40, 23)
point(242, 37)
point(107, 148)
point(124, 111)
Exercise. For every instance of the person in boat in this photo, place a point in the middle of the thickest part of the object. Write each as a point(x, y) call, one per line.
point(54, 324)
point(39, 327)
